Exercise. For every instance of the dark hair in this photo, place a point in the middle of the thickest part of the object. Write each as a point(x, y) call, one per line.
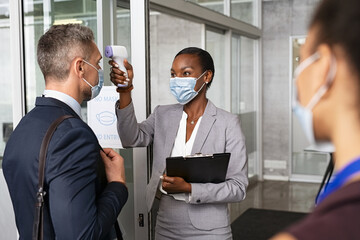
point(205, 58)
point(337, 23)
point(60, 45)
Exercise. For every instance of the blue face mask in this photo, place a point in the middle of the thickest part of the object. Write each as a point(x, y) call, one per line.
point(95, 90)
point(183, 88)
point(304, 114)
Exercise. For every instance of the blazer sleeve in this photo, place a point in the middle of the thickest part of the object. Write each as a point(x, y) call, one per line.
point(76, 212)
point(132, 133)
point(234, 187)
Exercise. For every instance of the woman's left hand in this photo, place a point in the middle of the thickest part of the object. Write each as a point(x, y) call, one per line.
point(175, 185)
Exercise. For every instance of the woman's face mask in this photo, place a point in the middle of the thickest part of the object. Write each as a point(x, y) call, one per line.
point(183, 88)
point(304, 114)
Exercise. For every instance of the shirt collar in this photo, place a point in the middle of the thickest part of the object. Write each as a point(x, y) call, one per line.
point(71, 102)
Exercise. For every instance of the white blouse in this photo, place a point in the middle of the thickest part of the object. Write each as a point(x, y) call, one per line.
point(182, 148)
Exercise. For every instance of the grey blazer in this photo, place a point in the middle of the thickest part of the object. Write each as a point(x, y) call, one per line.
point(219, 132)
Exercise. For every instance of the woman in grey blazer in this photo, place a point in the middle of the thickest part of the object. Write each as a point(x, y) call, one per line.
point(195, 125)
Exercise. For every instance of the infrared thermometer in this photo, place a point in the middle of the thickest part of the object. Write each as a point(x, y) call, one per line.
point(118, 54)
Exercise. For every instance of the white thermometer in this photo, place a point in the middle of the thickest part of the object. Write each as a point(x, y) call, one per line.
point(118, 54)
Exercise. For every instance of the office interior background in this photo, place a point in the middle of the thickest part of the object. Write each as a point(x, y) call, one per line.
point(255, 46)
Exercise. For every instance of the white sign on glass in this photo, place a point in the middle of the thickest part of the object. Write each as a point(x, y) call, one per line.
point(102, 119)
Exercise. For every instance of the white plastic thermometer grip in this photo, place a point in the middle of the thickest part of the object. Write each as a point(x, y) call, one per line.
point(118, 54)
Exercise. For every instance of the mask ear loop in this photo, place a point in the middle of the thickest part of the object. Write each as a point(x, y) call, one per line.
point(201, 75)
point(300, 68)
point(205, 83)
point(307, 62)
point(323, 89)
point(88, 83)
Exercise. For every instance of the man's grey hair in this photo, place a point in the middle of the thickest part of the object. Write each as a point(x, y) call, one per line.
point(58, 47)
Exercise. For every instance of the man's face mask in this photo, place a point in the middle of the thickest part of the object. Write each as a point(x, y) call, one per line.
point(95, 90)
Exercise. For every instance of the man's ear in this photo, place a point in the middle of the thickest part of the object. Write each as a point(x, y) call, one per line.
point(78, 67)
point(324, 62)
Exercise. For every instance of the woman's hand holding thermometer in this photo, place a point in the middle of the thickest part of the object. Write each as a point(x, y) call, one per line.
point(118, 54)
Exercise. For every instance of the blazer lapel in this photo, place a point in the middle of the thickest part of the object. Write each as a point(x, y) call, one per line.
point(173, 120)
point(206, 124)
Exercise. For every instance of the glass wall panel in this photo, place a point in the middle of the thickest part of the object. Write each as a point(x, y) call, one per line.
point(215, 45)
point(243, 89)
point(243, 10)
point(168, 35)
point(6, 123)
point(38, 17)
point(216, 5)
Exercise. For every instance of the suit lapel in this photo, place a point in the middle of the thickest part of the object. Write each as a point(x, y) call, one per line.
point(206, 124)
point(173, 121)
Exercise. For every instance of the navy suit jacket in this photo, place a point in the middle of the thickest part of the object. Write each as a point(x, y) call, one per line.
point(79, 203)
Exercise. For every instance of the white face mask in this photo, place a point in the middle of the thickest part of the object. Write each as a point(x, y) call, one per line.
point(183, 88)
point(304, 114)
point(95, 90)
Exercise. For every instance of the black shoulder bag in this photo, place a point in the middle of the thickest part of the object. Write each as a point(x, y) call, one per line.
point(38, 225)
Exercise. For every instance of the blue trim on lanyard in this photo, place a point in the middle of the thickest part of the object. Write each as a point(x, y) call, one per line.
point(340, 179)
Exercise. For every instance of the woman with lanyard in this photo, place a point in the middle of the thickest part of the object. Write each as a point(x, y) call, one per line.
point(328, 106)
point(191, 211)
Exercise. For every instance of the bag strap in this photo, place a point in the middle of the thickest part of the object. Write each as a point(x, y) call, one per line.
point(38, 219)
point(118, 231)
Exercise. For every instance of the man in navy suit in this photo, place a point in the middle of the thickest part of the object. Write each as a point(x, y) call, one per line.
point(85, 186)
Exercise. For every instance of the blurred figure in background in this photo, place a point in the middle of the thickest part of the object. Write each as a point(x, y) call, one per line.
point(328, 106)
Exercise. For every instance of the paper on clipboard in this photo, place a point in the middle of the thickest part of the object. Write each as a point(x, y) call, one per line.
point(199, 168)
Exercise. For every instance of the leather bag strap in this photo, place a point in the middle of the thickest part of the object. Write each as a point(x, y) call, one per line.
point(38, 219)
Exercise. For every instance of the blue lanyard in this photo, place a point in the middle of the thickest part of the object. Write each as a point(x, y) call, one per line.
point(341, 177)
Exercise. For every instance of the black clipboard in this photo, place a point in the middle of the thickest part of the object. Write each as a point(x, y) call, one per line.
point(199, 168)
